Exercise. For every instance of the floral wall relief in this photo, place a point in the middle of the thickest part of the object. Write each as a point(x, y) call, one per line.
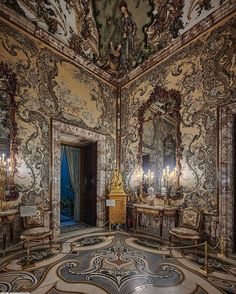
point(204, 83)
point(51, 87)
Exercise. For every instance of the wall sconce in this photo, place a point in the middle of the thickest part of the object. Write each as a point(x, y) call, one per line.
point(5, 170)
point(139, 177)
point(168, 179)
point(148, 178)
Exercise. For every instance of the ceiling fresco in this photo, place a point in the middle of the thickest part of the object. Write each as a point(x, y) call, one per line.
point(116, 35)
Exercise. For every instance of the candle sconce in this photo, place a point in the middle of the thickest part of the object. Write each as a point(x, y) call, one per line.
point(5, 176)
point(139, 177)
point(168, 183)
point(148, 177)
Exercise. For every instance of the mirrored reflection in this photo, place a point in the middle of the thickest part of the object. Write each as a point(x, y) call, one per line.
point(158, 148)
point(8, 132)
point(5, 124)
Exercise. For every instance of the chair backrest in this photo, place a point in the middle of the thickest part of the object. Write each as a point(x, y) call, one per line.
point(191, 218)
point(34, 221)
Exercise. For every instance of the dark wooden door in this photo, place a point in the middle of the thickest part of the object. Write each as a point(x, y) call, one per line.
point(89, 184)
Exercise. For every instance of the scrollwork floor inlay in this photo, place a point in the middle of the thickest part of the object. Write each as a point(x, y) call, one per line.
point(116, 263)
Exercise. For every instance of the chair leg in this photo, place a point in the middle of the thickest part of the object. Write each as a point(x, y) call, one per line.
point(28, 247)
point(195, 250)
point(50, 242)
point(23, 245)
point(170, 239)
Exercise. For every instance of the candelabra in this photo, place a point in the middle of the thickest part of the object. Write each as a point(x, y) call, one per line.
point(169, 179)
point(149, 177)
point(4, 169)
point(140, 180)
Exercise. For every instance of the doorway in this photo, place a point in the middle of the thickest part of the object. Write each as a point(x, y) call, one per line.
point(78, 185)
point(62, 132)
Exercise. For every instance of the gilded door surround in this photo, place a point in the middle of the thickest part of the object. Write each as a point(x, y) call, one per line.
point(58, 130)
point(226, 115)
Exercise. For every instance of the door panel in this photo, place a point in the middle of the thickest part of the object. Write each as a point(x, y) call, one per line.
point(89, 183)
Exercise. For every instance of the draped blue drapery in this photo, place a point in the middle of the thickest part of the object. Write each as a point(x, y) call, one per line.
point(73, 160)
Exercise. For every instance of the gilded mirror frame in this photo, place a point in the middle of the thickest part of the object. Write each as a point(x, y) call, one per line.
point(8, 84)
point(171, 104)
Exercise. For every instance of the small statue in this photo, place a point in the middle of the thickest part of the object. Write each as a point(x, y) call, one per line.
point(151, 196)
point(117, 184)
point(163, 191)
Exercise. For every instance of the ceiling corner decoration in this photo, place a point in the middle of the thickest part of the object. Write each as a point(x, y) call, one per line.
point(116, 35)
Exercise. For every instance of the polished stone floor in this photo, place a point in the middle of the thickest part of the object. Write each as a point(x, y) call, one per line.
point(94, 261)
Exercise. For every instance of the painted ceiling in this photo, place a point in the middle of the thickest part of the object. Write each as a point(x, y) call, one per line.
point(116, 35)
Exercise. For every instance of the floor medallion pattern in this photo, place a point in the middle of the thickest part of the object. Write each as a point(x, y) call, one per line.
point(95, 262)
point(120, 269)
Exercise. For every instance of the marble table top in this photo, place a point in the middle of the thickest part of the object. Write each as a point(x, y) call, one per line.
point(8, 212)
point(156, 207)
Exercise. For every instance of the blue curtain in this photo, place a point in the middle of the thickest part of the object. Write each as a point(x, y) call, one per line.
point(73, 159)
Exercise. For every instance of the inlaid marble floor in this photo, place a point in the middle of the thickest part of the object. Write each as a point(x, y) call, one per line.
point(121, 263)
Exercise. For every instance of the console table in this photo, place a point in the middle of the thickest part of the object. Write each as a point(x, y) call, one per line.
point(143, 211)
point(7, 219)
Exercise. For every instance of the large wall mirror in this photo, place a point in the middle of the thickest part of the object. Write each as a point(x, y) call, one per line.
point(8, 129)
point(160, 142)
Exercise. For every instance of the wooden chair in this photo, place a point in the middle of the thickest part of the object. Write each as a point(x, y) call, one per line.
point(190, 225)
point(35, 229)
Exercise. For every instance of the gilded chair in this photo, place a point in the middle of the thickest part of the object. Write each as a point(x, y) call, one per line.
point(35, 229)
point(190, 225)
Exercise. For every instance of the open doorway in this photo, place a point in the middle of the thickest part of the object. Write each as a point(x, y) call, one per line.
point(64, 133)
point(78, 185)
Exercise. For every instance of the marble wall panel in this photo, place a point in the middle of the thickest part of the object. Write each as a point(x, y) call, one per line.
point(204, 74)
point(51, 87)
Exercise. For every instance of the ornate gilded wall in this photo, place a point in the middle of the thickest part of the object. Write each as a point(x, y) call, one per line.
point(204, 74)
point(51, 87)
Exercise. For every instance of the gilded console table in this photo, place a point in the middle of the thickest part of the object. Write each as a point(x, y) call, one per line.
point(8, 218)
point(160, 212)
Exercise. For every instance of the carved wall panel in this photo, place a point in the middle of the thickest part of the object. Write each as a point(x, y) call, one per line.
point(51, 88)
point(204, 83)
